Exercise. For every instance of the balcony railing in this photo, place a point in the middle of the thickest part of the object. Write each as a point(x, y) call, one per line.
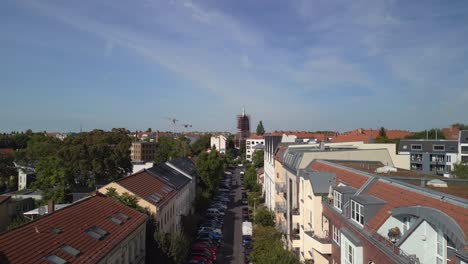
point(295, 211)
point(280, 208)
point(380, 242)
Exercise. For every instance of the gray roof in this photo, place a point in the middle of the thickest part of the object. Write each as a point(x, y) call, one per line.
point(259, 146)
point(349, 235)
point(169, 175)
point(320, 181)
point(345, 189)
point(451, 146)
point(366, 199)
point(464, 136)
point(185, 165)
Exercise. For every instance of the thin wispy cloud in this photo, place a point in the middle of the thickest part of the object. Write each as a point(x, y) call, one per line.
point(299, 65)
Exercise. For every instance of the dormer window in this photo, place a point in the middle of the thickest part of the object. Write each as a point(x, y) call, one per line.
point(337, 200)
point(438, 147)
point(357, 213)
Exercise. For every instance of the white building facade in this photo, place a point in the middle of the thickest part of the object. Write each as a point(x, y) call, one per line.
point(219, 143)
point(251, 145)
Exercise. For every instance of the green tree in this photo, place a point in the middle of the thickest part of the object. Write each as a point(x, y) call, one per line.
point(179, 248)
point(170, 148)
point(264, 217)
point(430, 134)
point(38, 147)
point(210, 168)
point(260, 129)
point(8, 173)
point(250, 177)
point(201, 145)
point(460, 171)
point(50, 178)
point(258, 157)
point(149, 130)
point(125, 198)
point(267, 247)
point(382, 133)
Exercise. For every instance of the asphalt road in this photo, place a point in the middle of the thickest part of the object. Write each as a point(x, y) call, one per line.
point(231, 250)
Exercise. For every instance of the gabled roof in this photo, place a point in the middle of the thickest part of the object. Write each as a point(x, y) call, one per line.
point(36, 240)
point(144, 185)
point(184, 164)
point(169, 175)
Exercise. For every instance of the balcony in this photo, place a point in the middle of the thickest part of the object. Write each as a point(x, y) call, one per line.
point(280, 187)
point(296, 216)
point(295, 238)
point(321, 245)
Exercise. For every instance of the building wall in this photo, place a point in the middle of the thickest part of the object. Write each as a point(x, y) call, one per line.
point(279, 178)
point(131, 250)
point(143, 151)
point(219, 142)
point(249, 147)
point(423, 243)
point(165, 215)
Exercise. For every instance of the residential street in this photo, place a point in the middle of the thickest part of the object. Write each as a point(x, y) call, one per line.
point(231, 251)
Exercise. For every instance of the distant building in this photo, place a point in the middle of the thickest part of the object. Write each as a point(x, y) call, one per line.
point(252, 144)
point(219, 142)
point(143, 151)
point(26, 176)
point(463, 146)
point(430, 155)
point(56, 135)
point(243, 128)
point(94, 230)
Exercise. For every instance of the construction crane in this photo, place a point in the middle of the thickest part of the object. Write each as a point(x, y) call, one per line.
point(187, 126)
point(173, 121)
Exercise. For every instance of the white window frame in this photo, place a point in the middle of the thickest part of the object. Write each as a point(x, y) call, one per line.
point(440, 246)
point(357, 212)
point(336, 234)
point(349, 253)
point(337, 200)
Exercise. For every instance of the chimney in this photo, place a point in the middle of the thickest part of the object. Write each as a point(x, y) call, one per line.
point(50, 207)
point(157, 136)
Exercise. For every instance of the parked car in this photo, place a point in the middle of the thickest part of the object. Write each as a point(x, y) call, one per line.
point(209, 229)
point(214, 212)
point(210, 235)
point(244, 201)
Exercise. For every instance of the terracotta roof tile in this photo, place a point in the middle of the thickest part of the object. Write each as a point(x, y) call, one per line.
point(144, 185)
point(32, 242)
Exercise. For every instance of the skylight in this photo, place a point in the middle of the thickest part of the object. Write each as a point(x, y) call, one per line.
point(155, 197)
point(56, 260)
point(96, 233)
point(123, 216)
point(55, 230)
point(70, 250)
point(166, 189)
point(116, 220)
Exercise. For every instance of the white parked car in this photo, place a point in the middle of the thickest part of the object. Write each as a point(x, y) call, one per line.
point(209, 229)
point(228, 172)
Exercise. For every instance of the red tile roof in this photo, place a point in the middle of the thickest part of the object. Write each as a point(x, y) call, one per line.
point(143, 185)
point(255, 136)
point(279, 153)
point(4, 198)
point(33, 242)
point(451, 132)
point(367, 134)
point(394, 196)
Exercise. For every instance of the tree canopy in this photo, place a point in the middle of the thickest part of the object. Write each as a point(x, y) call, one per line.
point(460, 171)
point(264, 217)
point(171, 148)
point(210, 168)
point(258, 157)
point(430, 134)
point(202, 144)
point(260, 129)
point(267, 247)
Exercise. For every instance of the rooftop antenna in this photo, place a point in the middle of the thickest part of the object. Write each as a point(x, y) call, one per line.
point(243, 110)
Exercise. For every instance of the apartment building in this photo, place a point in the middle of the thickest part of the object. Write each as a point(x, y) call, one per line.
point(143, 151)
point(219, 143)
point(167, 191)
point(431, 156)
point(387, 218)
point(252, 144)
point(94, 230)
point(463, 146)
point(271, 142)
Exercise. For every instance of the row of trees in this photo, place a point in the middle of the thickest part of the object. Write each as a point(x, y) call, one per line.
point(267, 247)
point(80, 161)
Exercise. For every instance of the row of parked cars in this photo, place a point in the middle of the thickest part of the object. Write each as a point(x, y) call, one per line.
point(210, 235)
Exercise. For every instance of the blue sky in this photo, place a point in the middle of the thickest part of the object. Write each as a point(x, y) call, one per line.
point(298, 65)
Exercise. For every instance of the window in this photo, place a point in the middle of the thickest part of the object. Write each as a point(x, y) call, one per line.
point(464, 148)
point(357, 213)
point(349, 253)
point(448, 158)
point(438, 147)
point(406, 223)
point(440, 254)
point(337, 202)
point(336, 235)
point(464, 159)
point(416, 147)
